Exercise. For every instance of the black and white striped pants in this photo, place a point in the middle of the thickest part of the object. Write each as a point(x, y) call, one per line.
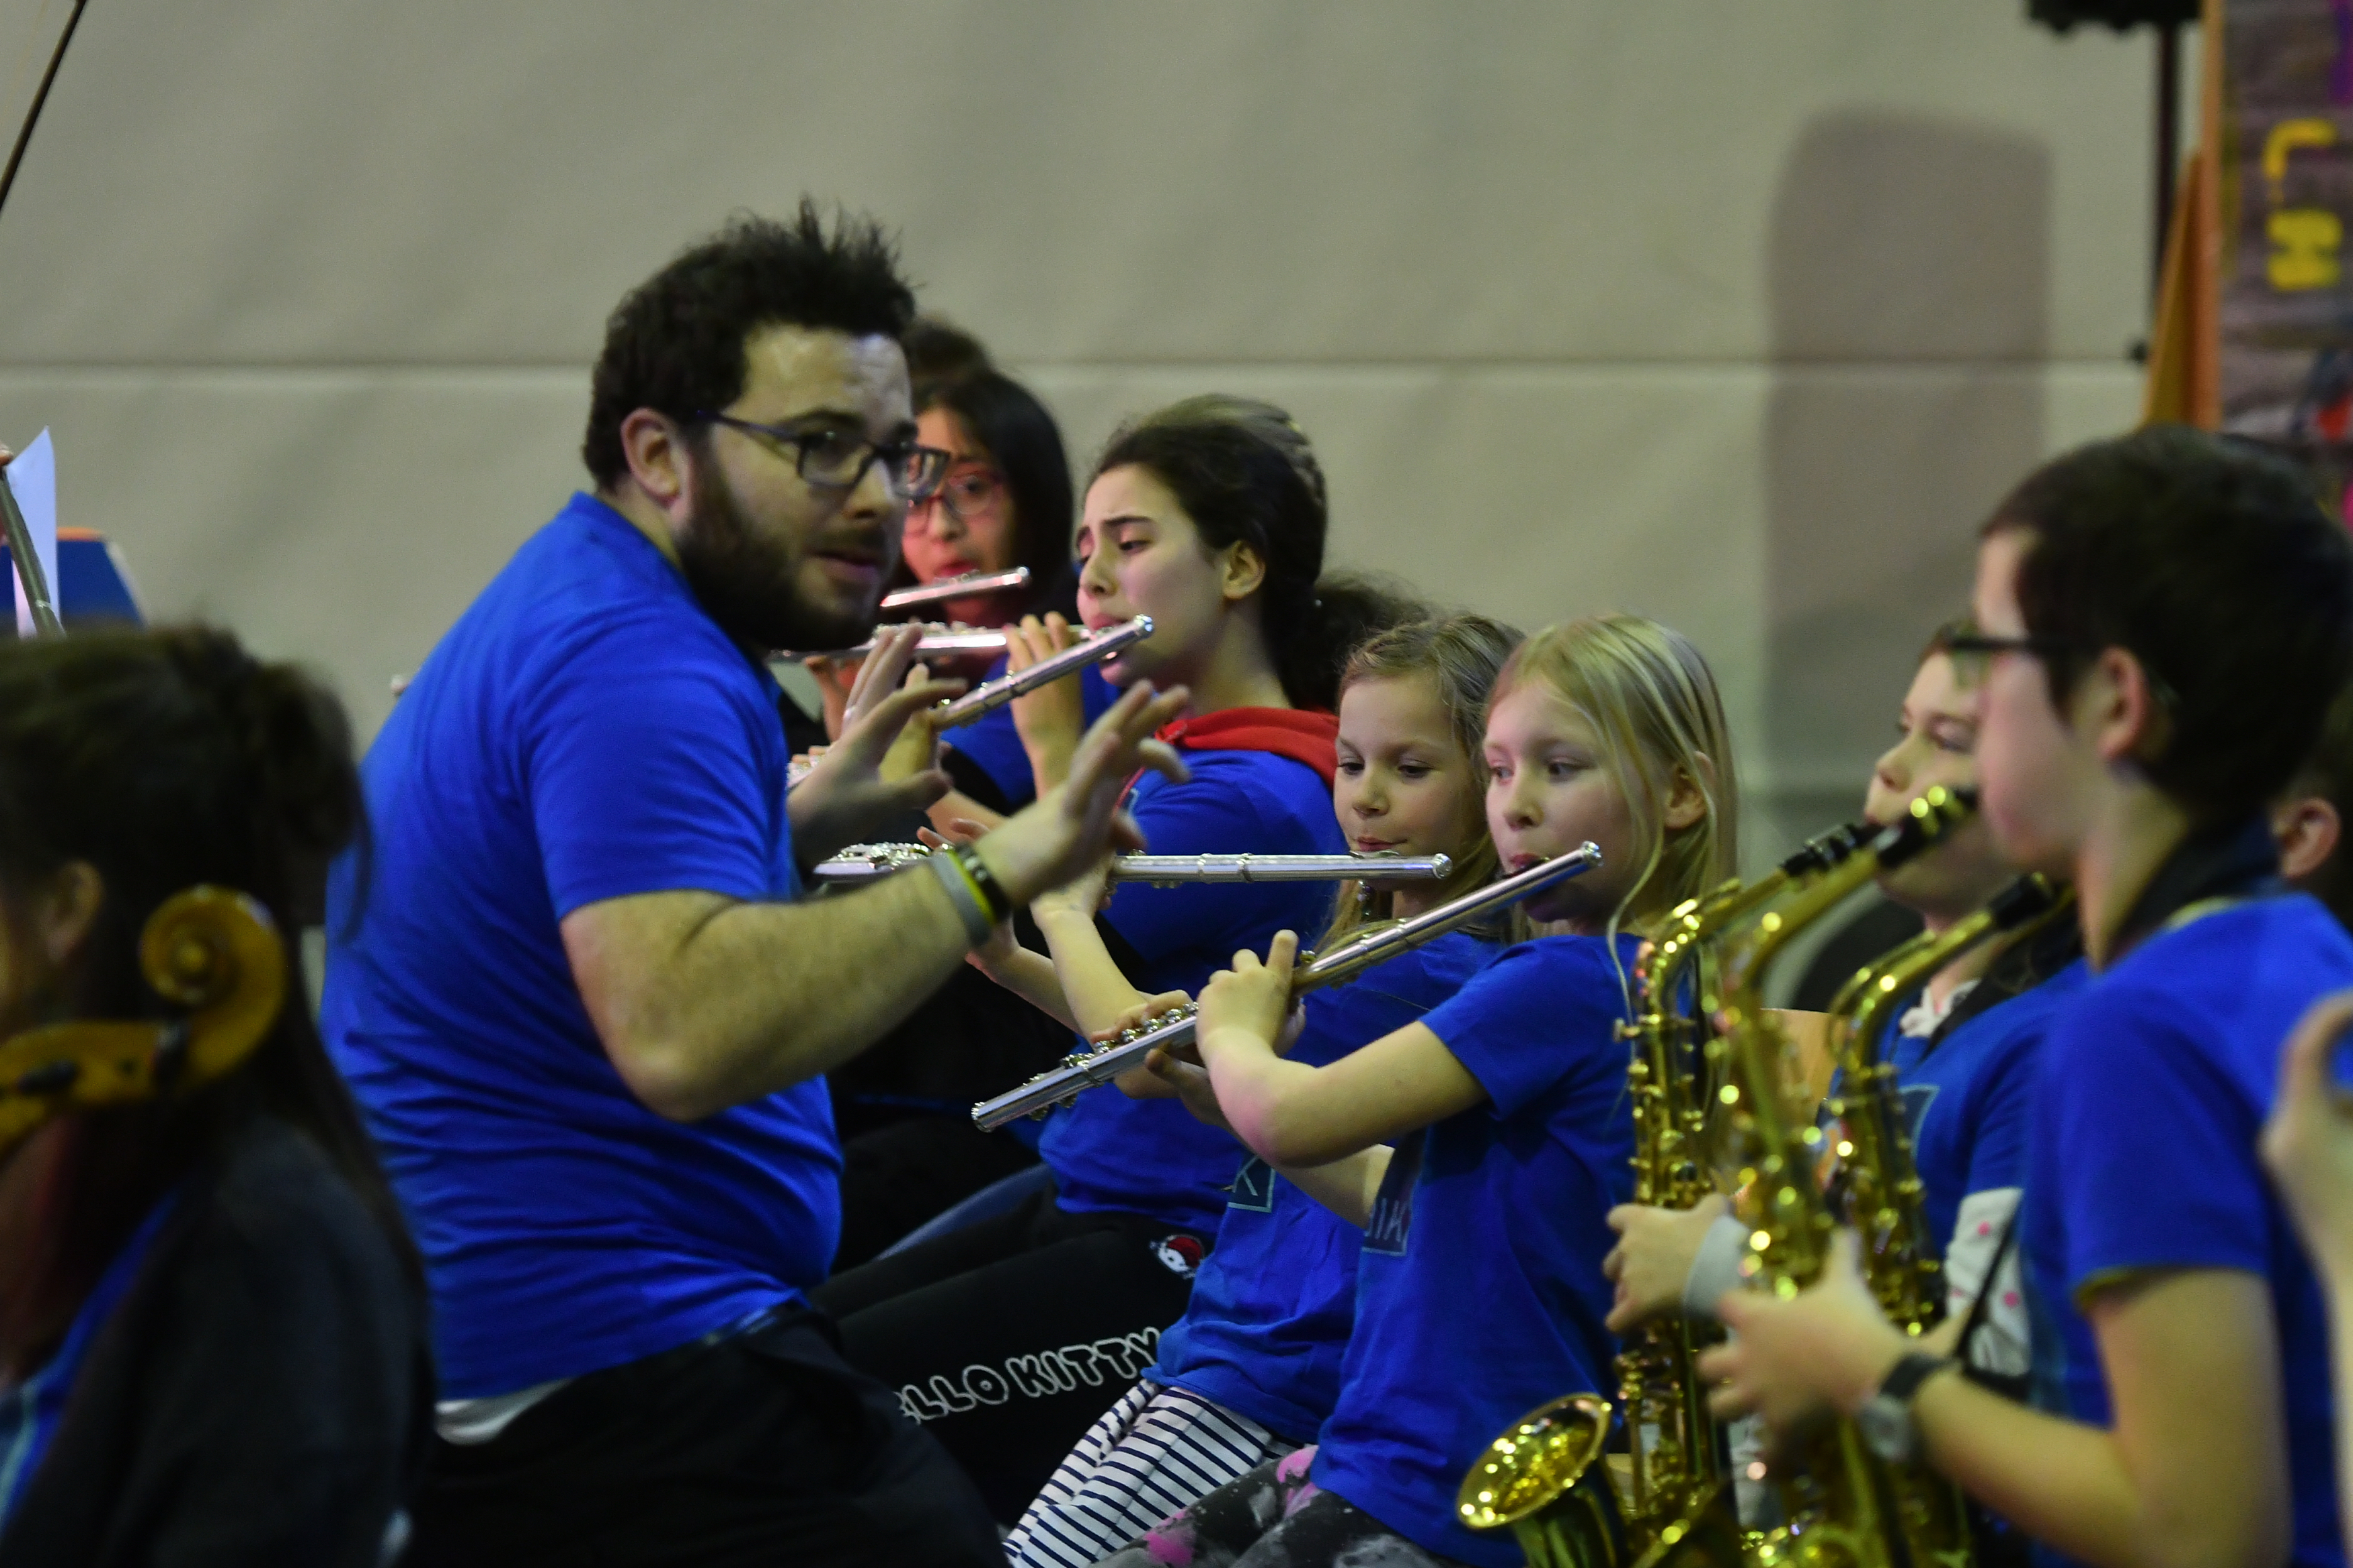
point(1154, 1453)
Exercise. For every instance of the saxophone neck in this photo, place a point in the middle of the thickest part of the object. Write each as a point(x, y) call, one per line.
point(1860, 1011)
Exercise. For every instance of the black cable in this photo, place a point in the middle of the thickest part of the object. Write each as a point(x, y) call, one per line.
point(25, 136)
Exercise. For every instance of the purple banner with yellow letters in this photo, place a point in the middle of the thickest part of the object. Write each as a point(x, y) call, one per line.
point(2284, 150)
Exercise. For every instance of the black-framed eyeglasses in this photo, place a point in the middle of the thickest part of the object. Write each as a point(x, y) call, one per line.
point(834, 458)
point(1972, 651)
point(1978, 648)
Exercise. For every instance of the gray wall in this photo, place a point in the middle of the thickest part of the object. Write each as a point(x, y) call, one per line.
point(1737, 313)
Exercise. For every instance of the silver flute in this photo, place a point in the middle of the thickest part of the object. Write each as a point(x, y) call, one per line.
point(865, 862)
point(936, 639)
point(1100, 1064)
point(987, 699)
point(964, 588)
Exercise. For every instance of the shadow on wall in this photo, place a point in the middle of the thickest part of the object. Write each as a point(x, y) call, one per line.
point(1909, 268)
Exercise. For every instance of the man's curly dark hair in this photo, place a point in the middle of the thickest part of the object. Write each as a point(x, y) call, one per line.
point(675, 342)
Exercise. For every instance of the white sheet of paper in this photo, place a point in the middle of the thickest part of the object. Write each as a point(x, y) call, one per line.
point(34, 477)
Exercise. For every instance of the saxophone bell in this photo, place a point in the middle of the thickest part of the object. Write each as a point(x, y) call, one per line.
point(1543, 1480)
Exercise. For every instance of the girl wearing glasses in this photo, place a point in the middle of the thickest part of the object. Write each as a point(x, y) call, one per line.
point(1004, 502)
point(909, 1147)
point(1208, 516)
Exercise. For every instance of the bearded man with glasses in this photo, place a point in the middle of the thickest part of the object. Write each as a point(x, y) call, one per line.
point(570, 984)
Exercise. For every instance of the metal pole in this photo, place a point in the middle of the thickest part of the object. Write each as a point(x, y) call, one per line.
point(28, 564)
point(2168, 139)
point(40, 98)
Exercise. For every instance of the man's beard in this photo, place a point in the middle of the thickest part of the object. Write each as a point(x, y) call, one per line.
point(748, 584)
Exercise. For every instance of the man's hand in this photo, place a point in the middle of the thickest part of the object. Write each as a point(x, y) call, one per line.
point(1828, 1348)
point(1653, 1257)
point(1049, 720)
point(882, 765)
point(2307, 1145)
point(1056, 838)
point(1251, 999)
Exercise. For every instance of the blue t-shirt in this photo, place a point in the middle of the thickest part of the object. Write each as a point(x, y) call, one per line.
point(1149, 1157)
point(583, 732)
point(1270, 1311)
point(1967, 1099)
point(2155, 1080)
point(1480, 1294)
point(995, 744)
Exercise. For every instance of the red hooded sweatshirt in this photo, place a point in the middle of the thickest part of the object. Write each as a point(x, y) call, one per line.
point(1303, 735)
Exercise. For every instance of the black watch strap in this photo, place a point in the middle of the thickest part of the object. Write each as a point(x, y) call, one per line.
point(1904, 1380)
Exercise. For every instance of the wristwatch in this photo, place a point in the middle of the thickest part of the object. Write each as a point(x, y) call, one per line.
point(1885, 1419)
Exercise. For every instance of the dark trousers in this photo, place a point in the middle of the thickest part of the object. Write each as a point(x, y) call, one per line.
point(898, 1175)
point(759, 1447)
point(1009, 1338)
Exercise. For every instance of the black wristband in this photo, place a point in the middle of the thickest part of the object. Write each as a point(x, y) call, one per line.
point(1904, 1378)
point(993, 901)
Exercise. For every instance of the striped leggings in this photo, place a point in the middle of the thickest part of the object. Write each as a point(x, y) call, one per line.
point(1154, 1453)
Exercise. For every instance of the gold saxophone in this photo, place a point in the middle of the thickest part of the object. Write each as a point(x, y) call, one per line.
point(1677, 1484)
point(1836, 1501)
point(1881, 1181)
point(1543, 1478)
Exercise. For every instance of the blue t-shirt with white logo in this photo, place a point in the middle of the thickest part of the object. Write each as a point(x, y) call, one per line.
point(1968, 1097)
point(994, 744)
point(2156, 1081)
point(1150, 1156)
point(1480, 1294)
point(1271, 1309)
point(583, 732)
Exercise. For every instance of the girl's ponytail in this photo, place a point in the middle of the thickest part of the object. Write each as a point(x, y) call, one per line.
point(1311, 649)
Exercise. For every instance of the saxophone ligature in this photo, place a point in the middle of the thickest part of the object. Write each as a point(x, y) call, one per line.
point(1100, 1064)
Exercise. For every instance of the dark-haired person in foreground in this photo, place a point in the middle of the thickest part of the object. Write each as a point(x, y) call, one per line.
point(2165, 619)
point(585, 1017)
point(212, 1322)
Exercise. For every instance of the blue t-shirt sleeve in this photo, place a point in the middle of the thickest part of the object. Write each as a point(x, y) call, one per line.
point(2159, 1167)
point(1207, 815)
point(1512, 1024)
point(651, 773)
